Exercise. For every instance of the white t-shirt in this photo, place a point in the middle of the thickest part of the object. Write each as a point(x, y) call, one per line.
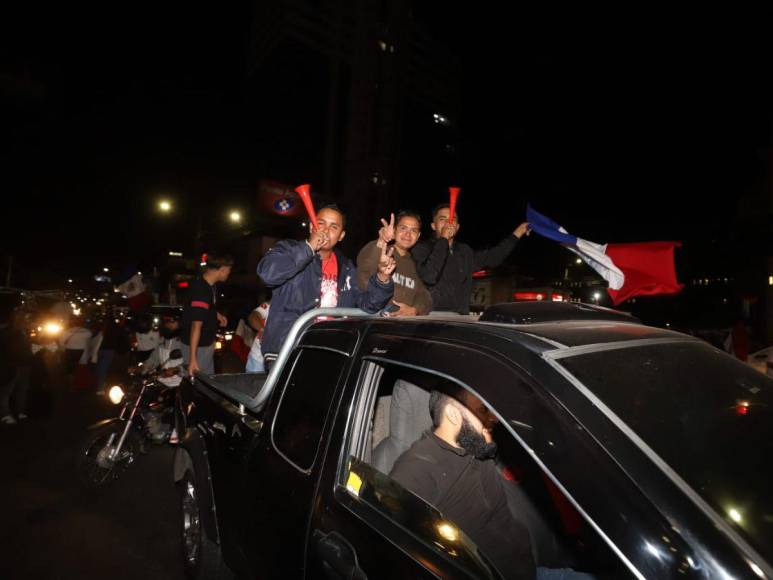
point(148, 340)
point(255, 352)
point(75, 338)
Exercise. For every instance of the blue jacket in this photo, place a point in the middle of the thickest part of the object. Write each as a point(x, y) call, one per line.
point(294, 273)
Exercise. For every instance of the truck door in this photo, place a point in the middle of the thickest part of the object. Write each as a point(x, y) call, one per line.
point(283, 466)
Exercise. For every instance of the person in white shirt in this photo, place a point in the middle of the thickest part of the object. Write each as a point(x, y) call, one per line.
point(74, 340)
point(147, 339)
point(257, 320)
point(169, 341)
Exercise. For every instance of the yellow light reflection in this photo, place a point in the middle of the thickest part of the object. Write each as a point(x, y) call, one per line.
point(354, 484)
point(448, 531)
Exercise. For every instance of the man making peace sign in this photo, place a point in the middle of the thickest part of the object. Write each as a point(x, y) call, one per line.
point(312, 273)
point(411, 296)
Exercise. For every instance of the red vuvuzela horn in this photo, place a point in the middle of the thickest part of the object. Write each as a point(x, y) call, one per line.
point(452, 203)
point(304, 191)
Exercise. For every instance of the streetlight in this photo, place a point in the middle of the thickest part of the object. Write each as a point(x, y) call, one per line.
point(165, 206)
point(105, 270)
point(235, 217)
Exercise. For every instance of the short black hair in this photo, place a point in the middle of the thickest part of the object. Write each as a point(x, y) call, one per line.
point(437, 208)
point(216, 260)
point(334, 207)
point(403, 213)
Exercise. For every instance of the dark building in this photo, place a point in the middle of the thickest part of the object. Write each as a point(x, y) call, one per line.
point(371, 90)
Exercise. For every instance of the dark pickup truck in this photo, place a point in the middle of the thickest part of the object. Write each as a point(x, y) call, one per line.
point(627, 451)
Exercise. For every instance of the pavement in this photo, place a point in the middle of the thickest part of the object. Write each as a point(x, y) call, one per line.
point(52, 528)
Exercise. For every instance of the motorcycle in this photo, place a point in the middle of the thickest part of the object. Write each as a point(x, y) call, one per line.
point(147, 414)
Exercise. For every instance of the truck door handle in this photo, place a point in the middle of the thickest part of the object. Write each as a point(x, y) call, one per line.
point(338, 556)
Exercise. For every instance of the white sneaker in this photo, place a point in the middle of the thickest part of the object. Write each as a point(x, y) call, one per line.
point(23, 416)
point(8, 420)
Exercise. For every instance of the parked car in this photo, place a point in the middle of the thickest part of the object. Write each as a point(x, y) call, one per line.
point(631, 451)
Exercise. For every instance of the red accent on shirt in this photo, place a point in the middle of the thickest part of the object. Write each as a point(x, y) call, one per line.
point(198, 304)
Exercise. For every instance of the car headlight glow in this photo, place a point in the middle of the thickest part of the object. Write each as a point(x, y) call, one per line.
point(116, 395)
point(53, 328)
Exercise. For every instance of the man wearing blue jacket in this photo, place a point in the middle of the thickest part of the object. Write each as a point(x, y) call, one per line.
point(312, 273)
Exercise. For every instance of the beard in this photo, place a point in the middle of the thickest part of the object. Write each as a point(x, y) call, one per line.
point(474, 443)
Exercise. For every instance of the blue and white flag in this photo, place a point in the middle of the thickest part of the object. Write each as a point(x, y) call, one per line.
point(595, 255)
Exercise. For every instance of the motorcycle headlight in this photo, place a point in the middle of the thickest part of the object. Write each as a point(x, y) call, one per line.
point(116, 395)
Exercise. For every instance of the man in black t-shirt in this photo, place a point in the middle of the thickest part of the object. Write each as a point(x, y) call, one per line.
point(200, 319)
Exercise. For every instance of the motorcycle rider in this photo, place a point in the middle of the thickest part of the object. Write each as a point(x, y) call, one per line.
point(170, 340)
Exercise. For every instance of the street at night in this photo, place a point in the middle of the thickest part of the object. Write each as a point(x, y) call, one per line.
point(53, 528)
point(366, 289)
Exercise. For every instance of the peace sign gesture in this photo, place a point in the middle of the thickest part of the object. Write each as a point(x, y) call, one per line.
point(386, 264)
point(387, 232)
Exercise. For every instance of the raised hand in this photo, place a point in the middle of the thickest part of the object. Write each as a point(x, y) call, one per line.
point(449, 230)
point(387, 232)
point(524, 228)
point(386, 264)
point(317, 239)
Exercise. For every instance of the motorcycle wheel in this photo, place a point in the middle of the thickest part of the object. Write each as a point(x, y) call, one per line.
point(92, 472)
point(201, 556)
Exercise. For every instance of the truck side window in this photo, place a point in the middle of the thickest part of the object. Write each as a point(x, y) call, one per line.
point(303, 409)
point(392, 414)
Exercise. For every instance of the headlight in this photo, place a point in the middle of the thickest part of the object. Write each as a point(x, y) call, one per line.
point(52, 328)
point(116, 395)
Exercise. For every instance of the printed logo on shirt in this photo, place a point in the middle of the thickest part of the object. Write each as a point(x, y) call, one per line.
point(329, 286)
point(402, 280)
point(329, 293)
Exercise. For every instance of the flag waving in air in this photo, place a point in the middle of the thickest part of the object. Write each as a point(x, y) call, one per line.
point(639, 269)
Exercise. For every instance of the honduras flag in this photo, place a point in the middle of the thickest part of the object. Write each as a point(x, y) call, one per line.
point(639, 269)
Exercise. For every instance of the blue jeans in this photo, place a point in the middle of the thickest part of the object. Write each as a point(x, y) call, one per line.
point(17, 388)
point(255, 365)
point(205, 357)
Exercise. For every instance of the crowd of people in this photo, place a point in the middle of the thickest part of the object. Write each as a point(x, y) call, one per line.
point(395, 275)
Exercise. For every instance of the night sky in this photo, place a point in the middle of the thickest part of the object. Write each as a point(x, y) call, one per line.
point(622, 125)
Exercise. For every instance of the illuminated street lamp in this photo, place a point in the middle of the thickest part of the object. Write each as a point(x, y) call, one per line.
point(165, 206)
point(235, 217)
